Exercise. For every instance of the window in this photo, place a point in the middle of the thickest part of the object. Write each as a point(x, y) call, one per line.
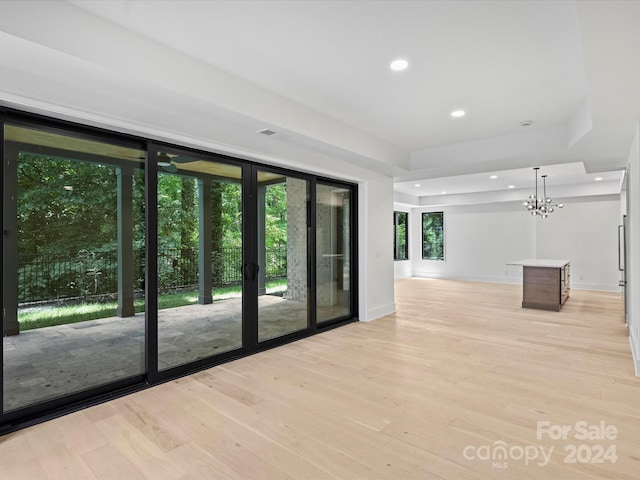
point(433, 236)
point(77, 220)
point(400, 236)
point(132, 262)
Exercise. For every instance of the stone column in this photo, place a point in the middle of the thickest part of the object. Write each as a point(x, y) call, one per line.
point(297, 242)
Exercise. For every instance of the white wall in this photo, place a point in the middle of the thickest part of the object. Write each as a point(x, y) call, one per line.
point(376, 248)
point(633, 250)
point(586, 233)
point(481, 239)
point(402, 269)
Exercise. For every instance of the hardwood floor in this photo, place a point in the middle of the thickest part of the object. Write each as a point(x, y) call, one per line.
point(428, 393)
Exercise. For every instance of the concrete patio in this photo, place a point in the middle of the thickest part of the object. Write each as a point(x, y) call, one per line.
point(50, 362)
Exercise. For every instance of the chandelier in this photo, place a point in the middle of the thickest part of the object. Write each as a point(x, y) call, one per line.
point(540, 206)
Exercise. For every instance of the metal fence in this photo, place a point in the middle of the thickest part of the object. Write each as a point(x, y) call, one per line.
point(45, 278)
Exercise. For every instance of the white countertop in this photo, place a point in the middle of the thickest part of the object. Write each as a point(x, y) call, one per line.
point(528, 262)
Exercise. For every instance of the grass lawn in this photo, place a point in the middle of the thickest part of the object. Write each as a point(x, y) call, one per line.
point(60, 315)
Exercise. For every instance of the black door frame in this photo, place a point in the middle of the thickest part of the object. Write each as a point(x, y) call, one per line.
point(42, 411)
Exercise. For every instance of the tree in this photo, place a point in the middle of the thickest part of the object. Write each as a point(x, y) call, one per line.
point(231, 214)
point(68, 208)
point(276, 215)
point(217, 233)
point(433, 236)
point(65, 206)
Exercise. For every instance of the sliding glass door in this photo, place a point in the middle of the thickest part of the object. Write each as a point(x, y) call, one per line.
point(199, 258)
point(283, 254)
point(73, 217)
point(333, 252)
point(127, 262)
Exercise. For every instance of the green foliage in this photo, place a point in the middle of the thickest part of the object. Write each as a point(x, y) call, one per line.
point(89, 272)
point(400, 246)
point(433, 236)
point(276, 215)
point(230, 214)
point(169, 211)
point(65, 205)
point(67, 222)
point(63, 314)
point(67, 210)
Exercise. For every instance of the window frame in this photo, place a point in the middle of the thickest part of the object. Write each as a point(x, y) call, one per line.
point(73, 400)
point(396, 246)
point(442, 242)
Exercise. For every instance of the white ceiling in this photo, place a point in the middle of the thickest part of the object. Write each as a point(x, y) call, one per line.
point(503, 62)
point(565, 65)
point(558, 177)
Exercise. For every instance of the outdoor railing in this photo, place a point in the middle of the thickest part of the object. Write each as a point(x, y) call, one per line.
point(45, 278)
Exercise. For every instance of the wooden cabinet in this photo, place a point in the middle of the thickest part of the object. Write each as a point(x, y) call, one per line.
point(545, 288)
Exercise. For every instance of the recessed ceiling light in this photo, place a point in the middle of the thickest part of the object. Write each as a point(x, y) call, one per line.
point(511, 186)
point(526, 123)
point(493, 177)
point(399, 65)
point(458, 113)
point(442, 193)
point(598, 179)
point(417, 185)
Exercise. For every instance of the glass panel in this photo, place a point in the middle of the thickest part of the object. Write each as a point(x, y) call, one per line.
point(282, 234)
point(199, 259)
point(433, 236)
point(333, 252)
point(400, 239)
point(73, 216)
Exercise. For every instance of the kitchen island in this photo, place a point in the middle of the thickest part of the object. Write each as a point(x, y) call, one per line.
point(545, 283)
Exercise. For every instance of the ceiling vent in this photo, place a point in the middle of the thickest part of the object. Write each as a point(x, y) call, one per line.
point(267, 132)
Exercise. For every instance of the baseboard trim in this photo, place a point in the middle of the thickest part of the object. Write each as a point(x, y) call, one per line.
point(379, 312)
point(635, 353)
point(399, 276)
point(470, 278)
point(514, 281)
